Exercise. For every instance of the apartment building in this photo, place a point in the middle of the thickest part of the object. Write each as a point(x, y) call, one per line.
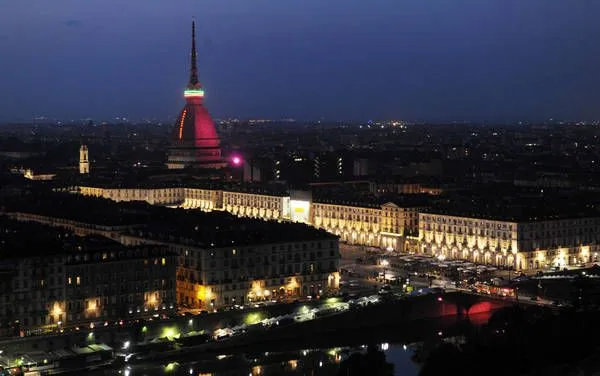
point(392, 225)
point(52, 277)
point(522, 244)
point(221, 259)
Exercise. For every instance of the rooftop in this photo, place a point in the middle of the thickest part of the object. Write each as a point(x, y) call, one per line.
point(220, 229)
point(214, 229)
point(30, 239)
point(78, 208)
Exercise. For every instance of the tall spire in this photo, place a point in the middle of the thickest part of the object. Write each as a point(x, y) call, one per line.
point(194, 82)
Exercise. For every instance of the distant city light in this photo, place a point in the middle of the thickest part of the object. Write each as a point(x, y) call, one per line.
point(236, 160)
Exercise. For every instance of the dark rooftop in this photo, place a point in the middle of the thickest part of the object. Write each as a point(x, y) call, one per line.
point(78, 208)
point(29, 239)
point(200, 228)
point(220, 229)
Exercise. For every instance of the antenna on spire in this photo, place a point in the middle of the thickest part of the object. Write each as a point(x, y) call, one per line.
point(194, 68)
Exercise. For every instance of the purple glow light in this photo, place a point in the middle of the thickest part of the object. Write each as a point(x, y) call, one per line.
point(237, 161)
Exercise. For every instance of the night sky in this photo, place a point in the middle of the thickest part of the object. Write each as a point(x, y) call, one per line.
point(424, 60)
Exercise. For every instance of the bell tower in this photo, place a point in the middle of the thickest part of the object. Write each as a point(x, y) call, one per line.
point(84, 162)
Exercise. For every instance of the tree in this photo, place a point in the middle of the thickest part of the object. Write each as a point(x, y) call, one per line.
point(372, 363)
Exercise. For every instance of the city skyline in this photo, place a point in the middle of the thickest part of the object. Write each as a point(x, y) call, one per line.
point(498, 61)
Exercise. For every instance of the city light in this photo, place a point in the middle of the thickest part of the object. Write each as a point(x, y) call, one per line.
point(171, 367)
point(236, 160)
point(170, 333)
point(253, 318)
point(190, 93)
point(181, 122)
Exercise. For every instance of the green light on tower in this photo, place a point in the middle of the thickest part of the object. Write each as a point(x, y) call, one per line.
point(193, 93)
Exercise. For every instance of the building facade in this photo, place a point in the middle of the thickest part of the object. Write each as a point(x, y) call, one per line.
point(79, 280)
point(390, 226)
point(211, 277)
point(221, 265)
point(119, 283)
point(521, 245)
point(354, 224)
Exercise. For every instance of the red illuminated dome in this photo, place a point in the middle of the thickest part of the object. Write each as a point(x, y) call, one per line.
point(195, 140)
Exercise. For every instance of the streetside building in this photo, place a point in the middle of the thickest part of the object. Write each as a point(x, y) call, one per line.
point(392, 225)
point(52, 277)
point(222, 259)
point(501, 238)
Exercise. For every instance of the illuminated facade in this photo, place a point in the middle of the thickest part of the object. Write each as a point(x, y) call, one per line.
point(216, 277)
point(522, 245)
point(195, 141)
point(203, 199)
point(354, 224)
point(153, 196)
point(33, 175)
point(256, 205)
point(399, 227)
point(84, 162)
point(389, 226)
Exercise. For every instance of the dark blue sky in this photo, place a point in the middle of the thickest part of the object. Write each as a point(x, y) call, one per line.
point(338, 59)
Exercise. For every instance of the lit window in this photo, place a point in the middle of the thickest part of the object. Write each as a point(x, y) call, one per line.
point(163, 261)
point(78, 280)
point(70, 280)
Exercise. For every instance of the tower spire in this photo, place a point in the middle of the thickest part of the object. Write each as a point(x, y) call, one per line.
point(194, 82)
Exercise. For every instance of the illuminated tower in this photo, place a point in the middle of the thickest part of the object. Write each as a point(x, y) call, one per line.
point(195, 140)
point(84, 162)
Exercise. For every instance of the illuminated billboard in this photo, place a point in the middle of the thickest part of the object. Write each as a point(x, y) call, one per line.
point(299, 210)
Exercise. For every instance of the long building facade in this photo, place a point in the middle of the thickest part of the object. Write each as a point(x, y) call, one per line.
point(389, 226)
point(521, 245)
point(227, 263)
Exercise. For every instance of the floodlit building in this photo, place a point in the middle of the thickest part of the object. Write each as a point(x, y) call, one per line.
point(84, 161)
point(355, 223)
point(392, 226)
point(521, 243)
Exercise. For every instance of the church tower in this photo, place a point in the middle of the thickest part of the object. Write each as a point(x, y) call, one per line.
point(84, 162)
point(195, 142)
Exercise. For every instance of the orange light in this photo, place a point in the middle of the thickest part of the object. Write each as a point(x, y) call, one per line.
point(181, 123)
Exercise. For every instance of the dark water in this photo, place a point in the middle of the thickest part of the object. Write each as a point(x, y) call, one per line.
point(303, 362)
point(296, 358)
